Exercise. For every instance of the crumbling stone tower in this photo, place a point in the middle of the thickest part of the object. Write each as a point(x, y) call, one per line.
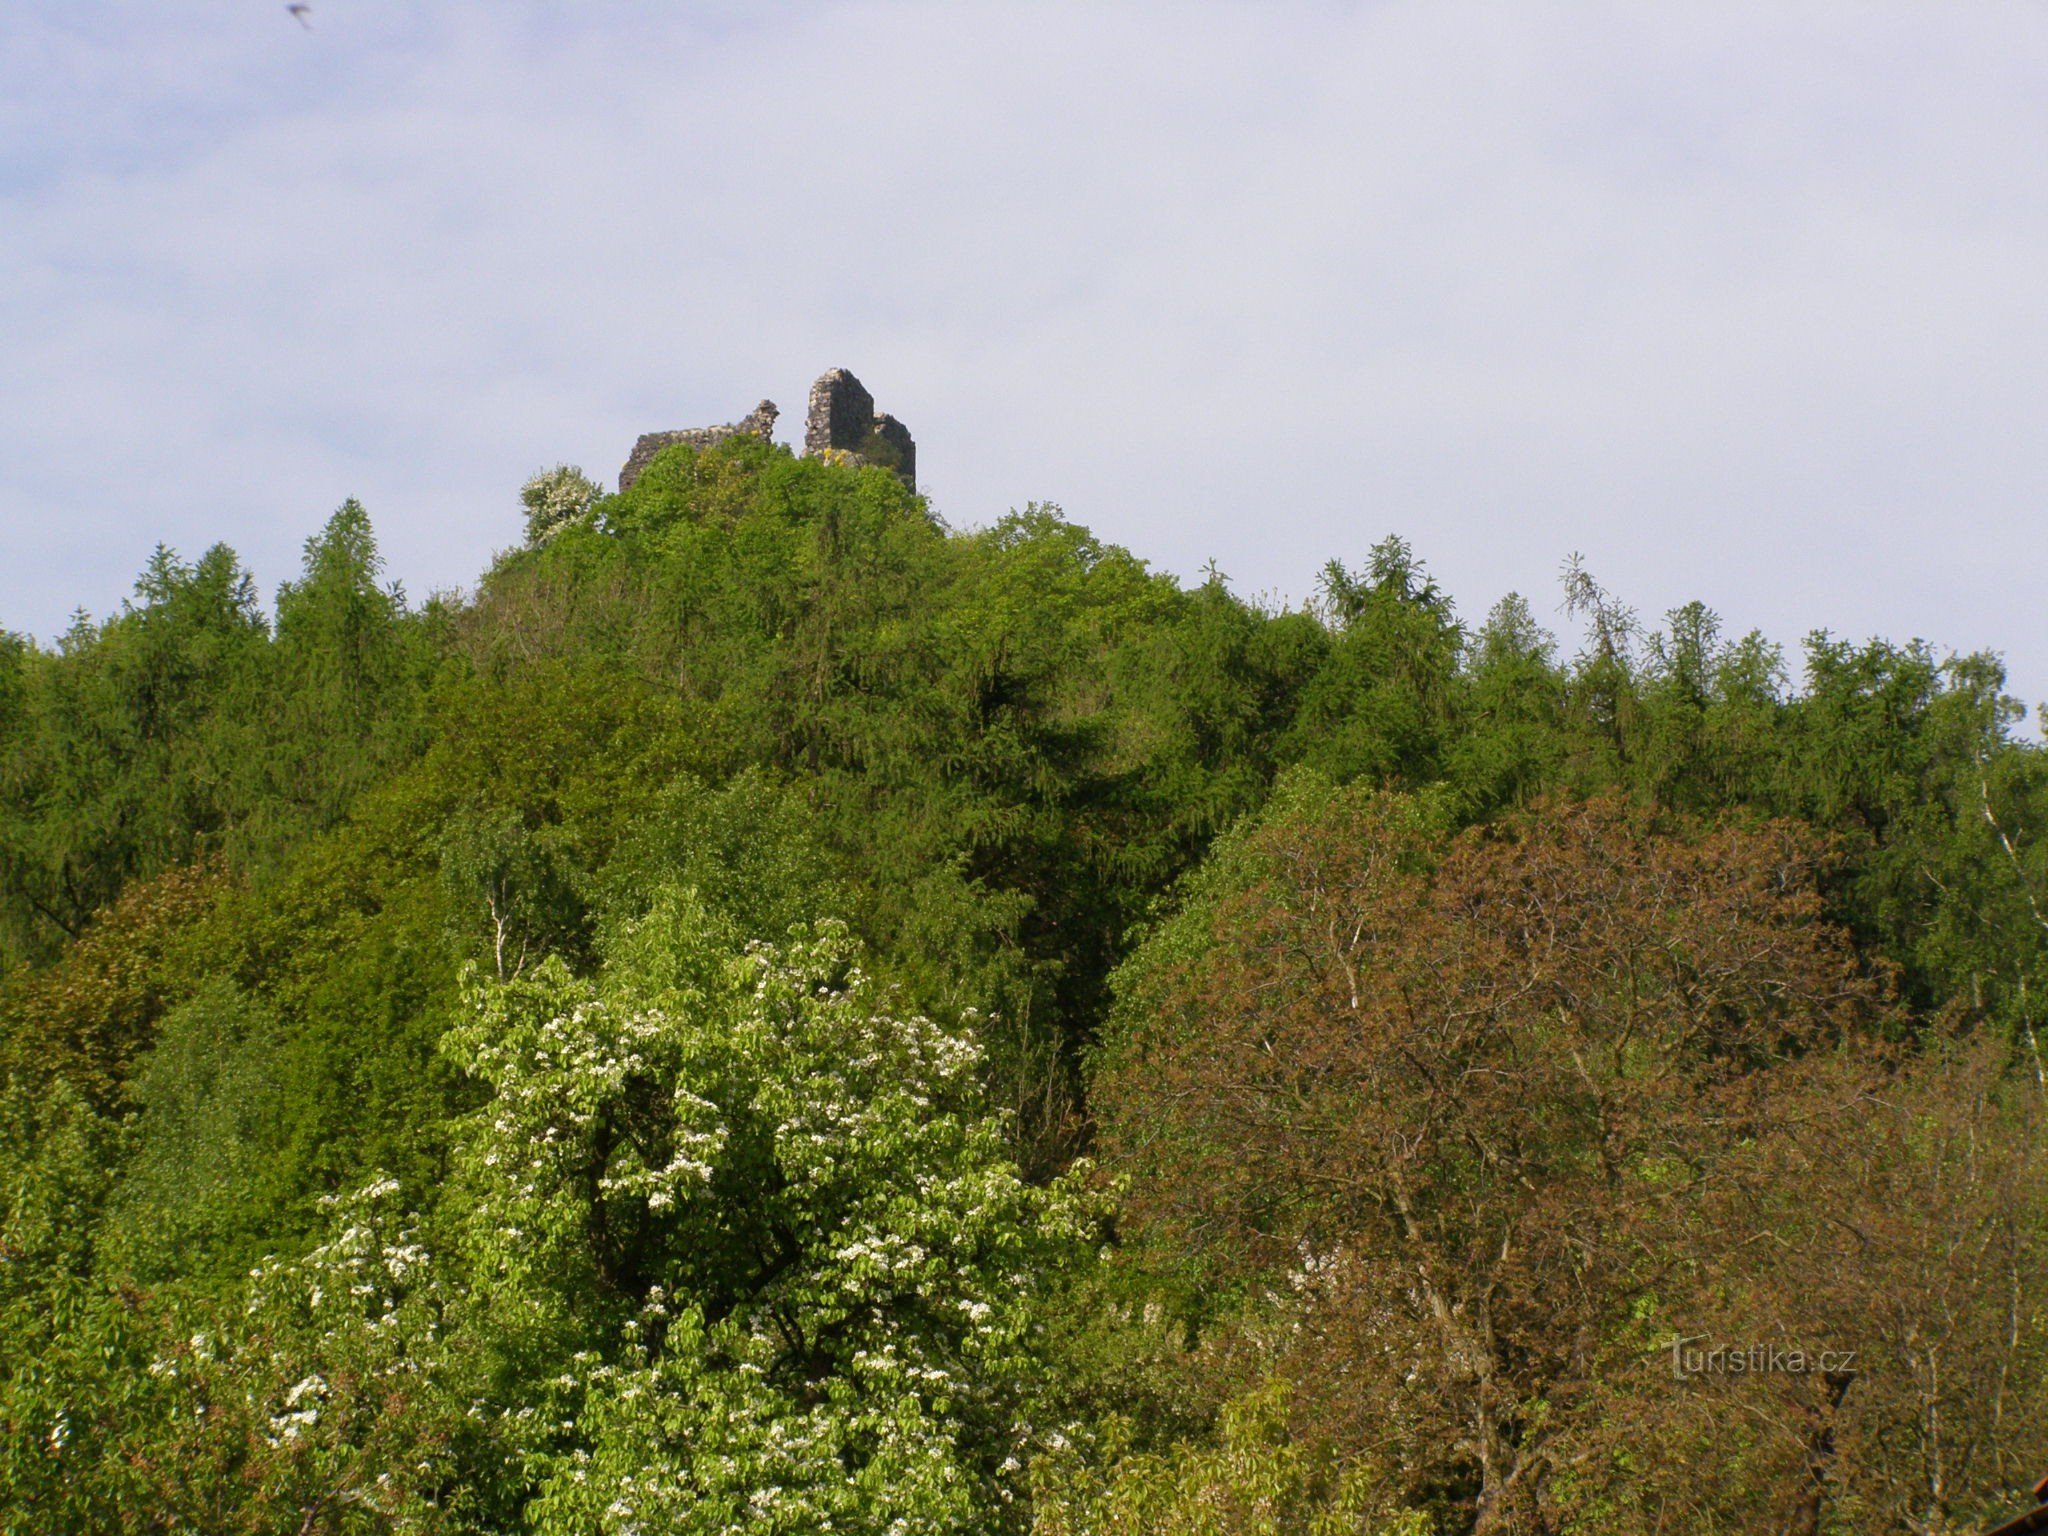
point(842, 419)
point(841, 423)
point(842, 414)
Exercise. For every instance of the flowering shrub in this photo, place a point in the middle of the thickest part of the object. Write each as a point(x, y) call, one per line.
point(325, 1407)
point(555, 498)
point(765, 1231)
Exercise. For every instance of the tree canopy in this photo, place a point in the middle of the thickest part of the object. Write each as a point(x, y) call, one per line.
point(773, 1014)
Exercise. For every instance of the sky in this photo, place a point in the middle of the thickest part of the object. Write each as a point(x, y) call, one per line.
point(1742, 303)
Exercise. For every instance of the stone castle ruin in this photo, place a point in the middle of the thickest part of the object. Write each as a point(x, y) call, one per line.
point(841, 424)
point(842, 420)
point(759, 422)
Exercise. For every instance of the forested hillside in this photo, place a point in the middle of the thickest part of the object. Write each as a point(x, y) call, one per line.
point(775, 1015)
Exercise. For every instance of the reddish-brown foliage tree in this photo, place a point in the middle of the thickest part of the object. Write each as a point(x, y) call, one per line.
point(89, 1015)
point(1892, 1227)
point(1466, 1093)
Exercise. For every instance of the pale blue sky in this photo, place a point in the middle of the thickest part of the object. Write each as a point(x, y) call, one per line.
point(1744, 302)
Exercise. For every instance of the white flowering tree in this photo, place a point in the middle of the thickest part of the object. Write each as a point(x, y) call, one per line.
point(555, 498)
point(324, 1407)
point(314, 1399)
point(759, 1236)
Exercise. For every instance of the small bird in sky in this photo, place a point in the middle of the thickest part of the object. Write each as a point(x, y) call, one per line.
point(303, 11)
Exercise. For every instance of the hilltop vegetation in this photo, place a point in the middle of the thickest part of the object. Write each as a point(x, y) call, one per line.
point(775, 1015)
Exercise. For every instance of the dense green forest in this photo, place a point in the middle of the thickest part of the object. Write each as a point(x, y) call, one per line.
point(774, 1015)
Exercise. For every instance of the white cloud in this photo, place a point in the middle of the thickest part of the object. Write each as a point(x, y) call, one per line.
point(1744, 302)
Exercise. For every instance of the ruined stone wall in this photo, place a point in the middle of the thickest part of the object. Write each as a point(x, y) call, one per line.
point(759, 422)
point(840, 422)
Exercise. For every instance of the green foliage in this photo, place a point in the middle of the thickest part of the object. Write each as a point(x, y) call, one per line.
point(125, 747)
point(183, 726)
point(317, 1404)
point(246, 860)
point(57, 1327)
point(1380, 706)
point(324, 1405)
point(501, 881)
point(199, 1184)
point(746, 848)
point(1514, 744)
point(763, 1228)
point(878, 449)
point(349, 660)
point(1253, 1481)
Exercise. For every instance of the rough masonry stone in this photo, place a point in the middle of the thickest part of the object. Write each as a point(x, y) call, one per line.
point(759, 422)
point(840, 421)
point(897, 440)
point(841, 414)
